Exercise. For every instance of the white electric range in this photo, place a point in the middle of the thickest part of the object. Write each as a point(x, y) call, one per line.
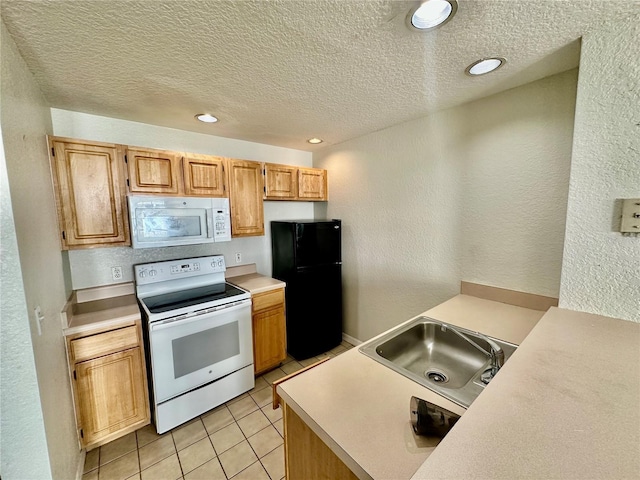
point(197, 335)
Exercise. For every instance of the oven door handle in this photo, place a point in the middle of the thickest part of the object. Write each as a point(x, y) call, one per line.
point(173, 322)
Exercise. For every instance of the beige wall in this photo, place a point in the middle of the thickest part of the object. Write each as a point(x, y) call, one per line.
point(601, 268)
point(32, 275)
point(475, 193)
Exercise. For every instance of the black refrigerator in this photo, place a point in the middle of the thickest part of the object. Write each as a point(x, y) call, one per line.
point(307, 255)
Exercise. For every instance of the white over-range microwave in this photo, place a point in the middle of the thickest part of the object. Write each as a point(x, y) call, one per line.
point(173, 221)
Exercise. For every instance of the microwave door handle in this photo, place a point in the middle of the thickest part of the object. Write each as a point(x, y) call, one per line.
point(209, 223)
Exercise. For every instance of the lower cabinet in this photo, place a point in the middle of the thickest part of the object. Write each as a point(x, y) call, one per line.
point(269, 330)
point(306, 455)
point(109, 384)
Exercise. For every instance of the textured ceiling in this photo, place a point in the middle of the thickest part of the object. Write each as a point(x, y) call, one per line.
point(281, 71)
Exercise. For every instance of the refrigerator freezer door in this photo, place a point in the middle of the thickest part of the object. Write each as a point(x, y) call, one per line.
point(318, 243)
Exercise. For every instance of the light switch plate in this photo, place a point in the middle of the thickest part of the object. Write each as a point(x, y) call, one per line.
point(630, 222)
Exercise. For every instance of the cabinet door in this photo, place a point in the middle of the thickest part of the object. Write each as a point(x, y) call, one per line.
point(89, 183)
point(111, 394)
point(280, 182)
point(269, 339)
point(204, 175)
point(245, 198)
point(154, 171)
point(312, 184)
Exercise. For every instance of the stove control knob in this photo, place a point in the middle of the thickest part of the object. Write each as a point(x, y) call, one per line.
point(220, 262)
point(213, 264)
point(142, 274)
point(152, 273)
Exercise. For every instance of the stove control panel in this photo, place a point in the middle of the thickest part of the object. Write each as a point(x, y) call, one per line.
point(174, 269)
point(185, 267)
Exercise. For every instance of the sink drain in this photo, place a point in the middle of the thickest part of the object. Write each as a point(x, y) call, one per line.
point(436, 376)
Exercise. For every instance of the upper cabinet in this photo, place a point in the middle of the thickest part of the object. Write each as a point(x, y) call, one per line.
point(282, 182)
point(245, 198)
point(173, 173)
point(203, 175)
point(312, 184)
point(89, 181)
point(154, 171)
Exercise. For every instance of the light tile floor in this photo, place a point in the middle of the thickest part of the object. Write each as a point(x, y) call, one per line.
point(242, 439)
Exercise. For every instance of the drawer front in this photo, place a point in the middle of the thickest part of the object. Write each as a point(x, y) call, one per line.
point(273, 298)
point(104, 343)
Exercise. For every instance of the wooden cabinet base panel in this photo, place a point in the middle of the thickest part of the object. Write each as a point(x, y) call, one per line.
point(120, 433)
point(306, 455)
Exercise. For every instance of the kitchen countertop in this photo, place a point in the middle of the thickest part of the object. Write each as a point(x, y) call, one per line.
point(98, 311)
point(360, 408)
point(565, 405)
point(246, 277)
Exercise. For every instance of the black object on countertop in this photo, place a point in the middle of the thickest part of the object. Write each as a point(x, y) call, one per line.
point(429, 419)
point(307, 255)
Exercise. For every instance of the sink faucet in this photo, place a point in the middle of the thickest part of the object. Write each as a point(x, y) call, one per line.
point(495, 352)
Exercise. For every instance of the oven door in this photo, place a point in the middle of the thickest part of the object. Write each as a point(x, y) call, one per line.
point(191, 352)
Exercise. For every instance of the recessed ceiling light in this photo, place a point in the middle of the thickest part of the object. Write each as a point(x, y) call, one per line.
point(430, 14)
point(315, 141)
point(485, 65)
point(206, 118)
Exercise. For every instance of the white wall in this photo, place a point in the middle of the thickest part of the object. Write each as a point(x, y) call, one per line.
point(517, 150)
point(38, 426)
point(91, 267)
point(475, 193)
point(601, 268)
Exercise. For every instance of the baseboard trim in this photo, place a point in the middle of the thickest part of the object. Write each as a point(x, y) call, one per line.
point(80, 470)
point(349, 339)
point(511, 297)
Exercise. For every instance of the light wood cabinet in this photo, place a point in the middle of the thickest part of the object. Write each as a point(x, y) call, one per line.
point(154, 171)
point(269, 330)
point(280, 182)
point(312, 184)
point(203, 175)
point(245, 198)
point(89, 181)
point(306, 455)
point(174, 173)
point(109, 384)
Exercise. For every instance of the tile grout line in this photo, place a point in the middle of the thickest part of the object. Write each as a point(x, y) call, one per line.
point(176, 453)
point(138, 455)
point(215, 451)
point(249, 443)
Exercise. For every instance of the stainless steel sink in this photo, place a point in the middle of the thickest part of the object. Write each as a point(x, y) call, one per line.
point(439, 356)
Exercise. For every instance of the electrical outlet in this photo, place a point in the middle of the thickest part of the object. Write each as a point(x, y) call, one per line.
point(238, 257)
point(116, 273)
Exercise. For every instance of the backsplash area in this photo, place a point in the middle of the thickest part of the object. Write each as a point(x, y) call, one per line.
point(92, 267)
